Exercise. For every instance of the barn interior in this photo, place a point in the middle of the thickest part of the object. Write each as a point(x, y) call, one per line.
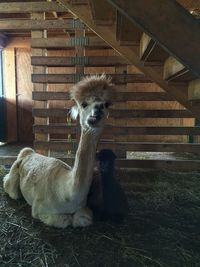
point(150, 50)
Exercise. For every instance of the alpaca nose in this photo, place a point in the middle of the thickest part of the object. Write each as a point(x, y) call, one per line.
point(98, 109)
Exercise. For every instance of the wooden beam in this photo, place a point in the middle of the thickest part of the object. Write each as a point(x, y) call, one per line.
point(72, 78)
point(176, 71)
point(9, 80)
point(119, 97)
point(90, 42)
point(71, 61)
point(121, 130)
point(131, 54)
point(66, 24)
point(124, 146)
point(194, 90)
point(40, 87)
point(153, 15)
point(151, 52)
point(172, 165)
point(25, 7)
point(119, 113)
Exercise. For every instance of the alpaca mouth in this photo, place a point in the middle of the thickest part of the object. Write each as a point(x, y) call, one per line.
point(93, 120)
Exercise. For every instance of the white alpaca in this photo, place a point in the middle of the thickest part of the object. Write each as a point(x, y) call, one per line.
point(57, 192)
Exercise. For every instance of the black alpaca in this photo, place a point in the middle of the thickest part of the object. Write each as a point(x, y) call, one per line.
point(106, 197)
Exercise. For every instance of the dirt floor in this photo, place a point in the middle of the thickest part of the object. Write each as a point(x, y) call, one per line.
point(163, 229)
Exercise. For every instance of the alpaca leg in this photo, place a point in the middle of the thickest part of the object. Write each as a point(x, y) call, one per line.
point(56, 220)
point(11, 181)
point(82, 218)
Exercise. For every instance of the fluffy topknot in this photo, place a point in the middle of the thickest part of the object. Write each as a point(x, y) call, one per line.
point(95, 86)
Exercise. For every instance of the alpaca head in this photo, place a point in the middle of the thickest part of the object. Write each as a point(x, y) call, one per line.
point(106, 159)
point(93, 97)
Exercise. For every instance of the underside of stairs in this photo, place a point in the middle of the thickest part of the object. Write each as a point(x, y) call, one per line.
point(159, 37)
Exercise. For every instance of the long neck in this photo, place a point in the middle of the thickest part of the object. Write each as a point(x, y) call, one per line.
point(85, 159)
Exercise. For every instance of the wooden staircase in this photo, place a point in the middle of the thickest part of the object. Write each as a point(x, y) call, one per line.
point(167, 57)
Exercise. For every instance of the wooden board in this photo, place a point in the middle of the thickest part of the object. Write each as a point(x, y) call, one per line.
point(66, 78)
point(37, 112)
point(24, 96)
point(9, 81)
point(122, 130)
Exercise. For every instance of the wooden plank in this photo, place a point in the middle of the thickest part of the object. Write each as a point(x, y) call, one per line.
point(103, 13)
point(40, 87)
point(65, 24)
point(119, 96)
point(9, 80)
point(120, 113)
point(150, 51)
point(121, 130)
point(24, 95)
point(25, 7)
point(169, 165)
point(124, 146)
point(194, 90)
point(176, 71)
point(131, 53)
point(70, 78)
point(126, 32)
point(57, 42)
point(71, 61)
point(149, 16)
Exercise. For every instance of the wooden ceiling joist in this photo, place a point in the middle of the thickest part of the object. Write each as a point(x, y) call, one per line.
point(171, 16)
point(29, 7)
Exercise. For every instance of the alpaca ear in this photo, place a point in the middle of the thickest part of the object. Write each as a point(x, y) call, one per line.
point(74, 112)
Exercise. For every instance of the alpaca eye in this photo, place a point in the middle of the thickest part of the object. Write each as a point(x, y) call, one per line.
point(107, 104)
point(84, 104)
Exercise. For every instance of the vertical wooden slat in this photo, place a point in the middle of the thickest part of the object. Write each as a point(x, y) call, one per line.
point(120, 70)
point(40, 87)
point(10, 93)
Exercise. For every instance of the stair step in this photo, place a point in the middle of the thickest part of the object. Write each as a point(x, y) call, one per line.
point(176, 71)
point(194, 91)
point(126, 32)
point(102, 12)
point(151, 52)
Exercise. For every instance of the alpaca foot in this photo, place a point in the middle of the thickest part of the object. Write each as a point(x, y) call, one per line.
point(82, 218)
point(56, 220)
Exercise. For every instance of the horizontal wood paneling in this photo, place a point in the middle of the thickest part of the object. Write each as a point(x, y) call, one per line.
point(72, 78)
point(25, 7)
point(121, 130)
point(72, 61)
point(120, 113)
point(65, 24)
point(172, 165)
point(55, 42)
point(120, 96)
point(123, 146)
